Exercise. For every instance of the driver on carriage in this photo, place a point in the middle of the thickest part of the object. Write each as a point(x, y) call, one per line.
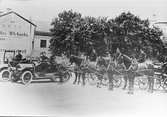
point(93, 56)
point(142, 56)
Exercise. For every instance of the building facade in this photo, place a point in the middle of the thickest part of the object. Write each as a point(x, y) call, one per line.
point(30, 36)
point(16, 33)
point(42, 38)
point(163, 26)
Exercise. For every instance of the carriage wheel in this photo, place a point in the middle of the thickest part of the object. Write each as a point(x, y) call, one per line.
point(143, 83)
point(4, 75)
point(26, 77)
point(105, 80)
point(66, 76)
point(165, 85)
point(117, 81)
point(157, 82)
point(92, 79)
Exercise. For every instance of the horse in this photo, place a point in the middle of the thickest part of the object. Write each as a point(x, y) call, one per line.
point(112, 68)
point(135, 69)
point(79, 68)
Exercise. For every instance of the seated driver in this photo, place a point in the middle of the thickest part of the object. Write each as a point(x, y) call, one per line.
point(18, 58)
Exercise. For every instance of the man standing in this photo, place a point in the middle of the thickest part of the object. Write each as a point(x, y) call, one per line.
point(142, 56)
point(93, 55)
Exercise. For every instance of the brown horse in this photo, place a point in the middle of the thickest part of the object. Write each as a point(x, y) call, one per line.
point(112, 68)
point(80, 69)
point(135, 69)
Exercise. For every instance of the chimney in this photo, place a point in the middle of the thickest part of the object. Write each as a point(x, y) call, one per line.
point(9, 10)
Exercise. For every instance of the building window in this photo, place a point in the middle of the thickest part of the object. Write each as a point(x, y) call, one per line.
point(43, 44)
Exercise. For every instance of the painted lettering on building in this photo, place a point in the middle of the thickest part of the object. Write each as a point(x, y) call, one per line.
point(12, 33)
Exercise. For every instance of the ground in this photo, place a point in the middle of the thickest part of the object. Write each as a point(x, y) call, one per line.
point(46, 98)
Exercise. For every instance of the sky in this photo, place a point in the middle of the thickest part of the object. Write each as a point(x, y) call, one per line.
point(46, 10)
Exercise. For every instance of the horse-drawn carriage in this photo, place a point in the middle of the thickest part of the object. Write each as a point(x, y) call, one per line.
point(160, 76)
point(31, 70)
point(93, 72)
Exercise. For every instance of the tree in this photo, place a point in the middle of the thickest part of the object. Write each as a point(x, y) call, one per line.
point(131, 34)
point(63, 30)
point(73, 34)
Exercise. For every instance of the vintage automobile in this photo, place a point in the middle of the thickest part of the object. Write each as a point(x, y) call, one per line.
point(8, 61)
point(26, 71)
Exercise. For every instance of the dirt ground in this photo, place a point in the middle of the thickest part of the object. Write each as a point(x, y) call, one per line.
point(46, 98)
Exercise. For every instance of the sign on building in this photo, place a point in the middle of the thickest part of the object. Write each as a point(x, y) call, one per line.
point(16, 33)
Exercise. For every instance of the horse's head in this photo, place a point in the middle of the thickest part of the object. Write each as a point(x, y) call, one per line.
point(120, 59)
point(80, 62)
point(126, 60)
point(71, 60)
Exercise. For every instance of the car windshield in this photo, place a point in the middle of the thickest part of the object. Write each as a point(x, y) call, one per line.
point(9, 56)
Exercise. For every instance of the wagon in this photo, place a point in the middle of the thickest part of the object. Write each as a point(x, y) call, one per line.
point(160, 78)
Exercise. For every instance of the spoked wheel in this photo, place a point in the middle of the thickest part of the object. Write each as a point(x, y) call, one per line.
point(117, 81)
point(92, 79)
point(66, 76)
point(143, 83)
point(4, 75)
point(165, 85)
point(26, 77)
point(157, 83)
point(105, 80)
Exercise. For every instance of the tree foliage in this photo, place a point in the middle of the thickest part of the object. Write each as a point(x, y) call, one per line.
point(73, 33)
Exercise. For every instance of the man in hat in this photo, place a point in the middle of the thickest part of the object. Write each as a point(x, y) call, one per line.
point(44, 65)
point(18, 58)
point(93, 55)
point(142, 56)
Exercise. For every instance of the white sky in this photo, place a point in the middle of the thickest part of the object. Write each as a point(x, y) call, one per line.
point(48, 9)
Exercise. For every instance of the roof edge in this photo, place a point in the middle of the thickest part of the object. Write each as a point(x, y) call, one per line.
point(19, 16)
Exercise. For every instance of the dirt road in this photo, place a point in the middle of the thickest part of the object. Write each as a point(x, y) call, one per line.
point(45, 98)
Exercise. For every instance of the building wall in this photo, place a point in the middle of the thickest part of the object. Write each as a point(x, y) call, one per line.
point(15, 34)
point(37, 46)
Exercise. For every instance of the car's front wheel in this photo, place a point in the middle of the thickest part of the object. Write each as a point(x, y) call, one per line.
point(26, 77)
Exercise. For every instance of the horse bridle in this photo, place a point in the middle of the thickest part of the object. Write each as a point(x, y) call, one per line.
point(124, 64)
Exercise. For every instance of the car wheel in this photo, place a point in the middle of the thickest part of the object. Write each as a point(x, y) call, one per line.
point(13, 78)
point(26, 77)
point(4, 75)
